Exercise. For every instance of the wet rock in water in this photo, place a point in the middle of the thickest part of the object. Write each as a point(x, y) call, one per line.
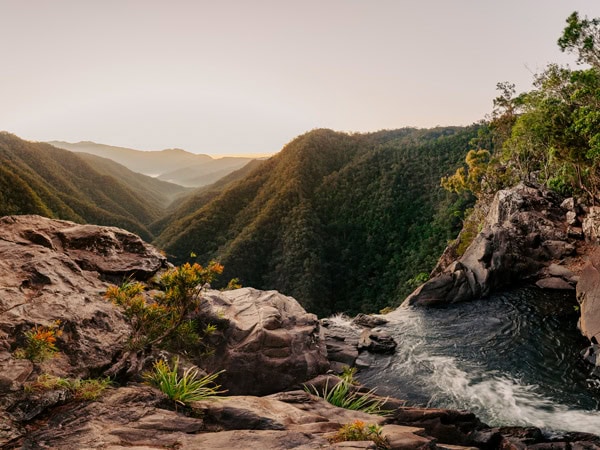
point(376, 342)
point(369, 320)
point(342, 344)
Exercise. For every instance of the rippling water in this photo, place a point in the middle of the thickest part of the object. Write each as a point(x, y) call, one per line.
point(512, 358)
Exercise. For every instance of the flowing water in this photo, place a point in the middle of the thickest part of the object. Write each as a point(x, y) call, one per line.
point(512, 359)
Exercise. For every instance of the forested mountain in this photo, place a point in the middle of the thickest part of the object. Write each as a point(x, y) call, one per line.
point(341, 222)
point(201, 196)
point(159, 194)
point(172, 165)
point(37, 178)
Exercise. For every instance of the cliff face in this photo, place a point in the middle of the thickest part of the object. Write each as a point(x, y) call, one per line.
point(528, 234)
point(524, 232)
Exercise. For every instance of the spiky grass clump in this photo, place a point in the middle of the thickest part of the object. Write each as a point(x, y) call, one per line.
point(345, 395)
point(190, 387)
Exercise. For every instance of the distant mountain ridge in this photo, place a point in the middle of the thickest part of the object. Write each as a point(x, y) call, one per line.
point(37, 178)
point(173, 165)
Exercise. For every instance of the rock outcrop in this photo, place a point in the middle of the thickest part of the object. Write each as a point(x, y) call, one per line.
point(53, 270)
point(267, 343)
point(524, 231)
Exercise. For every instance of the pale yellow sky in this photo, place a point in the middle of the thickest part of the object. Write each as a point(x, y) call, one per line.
point(234, 77)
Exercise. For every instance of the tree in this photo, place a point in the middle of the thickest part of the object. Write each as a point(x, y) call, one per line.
point(582, 36)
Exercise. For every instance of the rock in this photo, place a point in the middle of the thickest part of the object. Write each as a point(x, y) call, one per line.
point(590, 354)
point(295, 410)
point(369, 320)
point(254, 439)
point(523, 232)
point(558, 249)
point(406, 438)
point(575, 233)
point(341, 339)
point(591, 224)
point(556, 270)
point(446, 425)
point(376, 342)
point(588, 296)
point(554, 283)
point(130, 416)
point(269, 344)
point(54, 270)
point(569, 204)
point(572, 218)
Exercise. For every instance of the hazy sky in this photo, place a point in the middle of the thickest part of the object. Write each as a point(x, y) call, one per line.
point(248, 76)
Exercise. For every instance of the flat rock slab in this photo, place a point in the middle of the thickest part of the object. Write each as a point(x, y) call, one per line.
point(554, 283)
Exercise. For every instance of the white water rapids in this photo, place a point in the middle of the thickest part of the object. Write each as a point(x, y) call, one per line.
point(512, 359)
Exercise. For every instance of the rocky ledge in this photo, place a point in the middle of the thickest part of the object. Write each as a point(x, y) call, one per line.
point(55, 270)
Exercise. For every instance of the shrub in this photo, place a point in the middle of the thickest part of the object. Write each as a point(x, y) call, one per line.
point(167, 315)
point(359, 431)
point(40, 343)
point(189, 387)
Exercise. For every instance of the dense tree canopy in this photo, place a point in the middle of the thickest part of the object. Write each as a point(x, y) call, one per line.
point(340, 221)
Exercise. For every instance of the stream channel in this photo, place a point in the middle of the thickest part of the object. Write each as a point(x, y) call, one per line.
point(513, 359)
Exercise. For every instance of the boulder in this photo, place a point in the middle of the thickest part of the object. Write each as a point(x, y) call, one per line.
point(554, 283)
point(523, 231)
point(269, 342)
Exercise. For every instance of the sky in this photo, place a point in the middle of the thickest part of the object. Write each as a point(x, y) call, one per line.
point(246, 77)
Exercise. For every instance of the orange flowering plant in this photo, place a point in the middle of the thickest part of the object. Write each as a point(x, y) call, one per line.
point(40, 342)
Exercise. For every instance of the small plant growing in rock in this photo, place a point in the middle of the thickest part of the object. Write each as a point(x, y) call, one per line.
point(40, 343)
point(90, 389)
point(345, 395)
point(189, 387)
point(359, 431)
point(86, 390)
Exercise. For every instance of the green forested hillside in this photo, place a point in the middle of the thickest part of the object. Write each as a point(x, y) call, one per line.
point(37, 178)
point(341, 222)
point(195, 200)
point(157, 193)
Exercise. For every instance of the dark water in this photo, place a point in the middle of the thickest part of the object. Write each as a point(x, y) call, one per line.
point(512, 358)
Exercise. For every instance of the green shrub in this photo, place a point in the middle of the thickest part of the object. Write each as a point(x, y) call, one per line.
point(189, 387)
point(166, 318)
